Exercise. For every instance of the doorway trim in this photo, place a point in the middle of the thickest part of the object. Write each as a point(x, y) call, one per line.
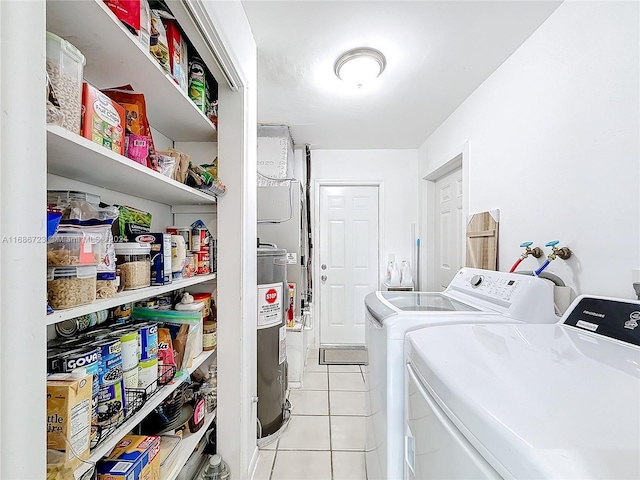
point(314, 341)
point(458, 158)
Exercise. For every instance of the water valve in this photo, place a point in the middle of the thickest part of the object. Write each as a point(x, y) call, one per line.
point(535, 251)
point(564, 253)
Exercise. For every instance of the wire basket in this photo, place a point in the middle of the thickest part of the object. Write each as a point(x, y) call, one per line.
point(134, 400)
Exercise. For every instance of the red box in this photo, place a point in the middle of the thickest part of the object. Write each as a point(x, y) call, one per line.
point(178, 62)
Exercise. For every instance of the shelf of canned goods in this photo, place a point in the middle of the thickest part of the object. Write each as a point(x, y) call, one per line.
point(106, 445)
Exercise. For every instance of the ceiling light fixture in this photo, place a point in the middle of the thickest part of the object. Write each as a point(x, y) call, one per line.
point(360, 66)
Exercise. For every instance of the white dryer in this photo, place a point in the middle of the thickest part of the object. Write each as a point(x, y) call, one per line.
point(527, 401)
point(472, 294)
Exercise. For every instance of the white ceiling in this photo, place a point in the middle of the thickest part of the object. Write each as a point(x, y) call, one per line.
point(438, 52)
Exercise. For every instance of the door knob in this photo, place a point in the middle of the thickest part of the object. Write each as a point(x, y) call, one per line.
point(323, 266)
point(323, 278)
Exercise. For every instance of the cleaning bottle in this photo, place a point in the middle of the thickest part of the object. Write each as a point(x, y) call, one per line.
point(406, 278)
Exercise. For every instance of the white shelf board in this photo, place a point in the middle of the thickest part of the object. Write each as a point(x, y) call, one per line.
point(184, 450)
point(126, 297)
point(115, 57)
point(105, 447)
point(72, 156)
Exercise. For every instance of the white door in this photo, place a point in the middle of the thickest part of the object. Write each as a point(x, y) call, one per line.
point(348, 254)
point(449, 227)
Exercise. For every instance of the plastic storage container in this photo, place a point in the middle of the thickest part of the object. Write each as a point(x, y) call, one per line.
point(69, 287)
point(133, 260)
point(65, 65)
point(70, 248)
point(64, 197)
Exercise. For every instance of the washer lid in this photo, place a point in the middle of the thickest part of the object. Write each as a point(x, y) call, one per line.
point(425, 302)
point(538, 401)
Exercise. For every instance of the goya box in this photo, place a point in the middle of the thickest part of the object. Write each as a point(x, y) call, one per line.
point(160, 255)
point(69, 415)
point(135, 457)
point(102, 119)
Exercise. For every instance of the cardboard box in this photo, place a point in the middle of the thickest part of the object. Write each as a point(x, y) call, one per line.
point(103, 120)
point(160, 255)
point(135, 457)
point(178, 64)
point(69, 415)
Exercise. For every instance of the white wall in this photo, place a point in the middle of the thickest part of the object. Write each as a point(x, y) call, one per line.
point(553, 143)
point(397, 171)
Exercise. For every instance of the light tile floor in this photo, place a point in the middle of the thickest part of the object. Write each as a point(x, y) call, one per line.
point(325, 438)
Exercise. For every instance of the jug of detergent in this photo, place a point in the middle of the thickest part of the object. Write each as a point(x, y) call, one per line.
point(406, 277)
point(394, 275)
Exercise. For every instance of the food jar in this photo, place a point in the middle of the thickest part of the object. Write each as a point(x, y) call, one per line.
point(209, 336)
point(65, 65)
point(206, 298)
point(69, 287)
point(133, 260)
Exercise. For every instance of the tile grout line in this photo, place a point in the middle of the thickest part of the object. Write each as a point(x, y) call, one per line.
point(329, 412)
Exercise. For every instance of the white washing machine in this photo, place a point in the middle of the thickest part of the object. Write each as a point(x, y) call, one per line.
point(473, 293)
point(527, 401)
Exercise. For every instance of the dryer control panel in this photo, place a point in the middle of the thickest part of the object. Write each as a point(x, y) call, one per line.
point(611, 317)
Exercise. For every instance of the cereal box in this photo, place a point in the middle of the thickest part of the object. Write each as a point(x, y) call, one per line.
point(102, 119)
point(135, 457)
point(69, 415)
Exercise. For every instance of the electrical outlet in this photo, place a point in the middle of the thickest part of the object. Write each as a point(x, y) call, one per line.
point(635, 275)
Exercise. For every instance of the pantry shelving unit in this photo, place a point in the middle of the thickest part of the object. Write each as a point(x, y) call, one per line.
point(35, 157)
point(107, 445)
point(126, 296)
point(115, 57)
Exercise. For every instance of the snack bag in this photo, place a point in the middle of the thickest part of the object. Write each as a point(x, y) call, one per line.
point(159, 47)
point(166, 355)
point(128, 12)
point(136, 114)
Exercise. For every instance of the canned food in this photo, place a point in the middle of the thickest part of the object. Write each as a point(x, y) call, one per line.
point(184, 232)
point(122, 313)
point(148, 374)
point(130, 378)
point(129, 341)
point(110, 362)
point(198, 239)
point(67, 328)
point(148, 341)
point(111, 403)
point(202, 262)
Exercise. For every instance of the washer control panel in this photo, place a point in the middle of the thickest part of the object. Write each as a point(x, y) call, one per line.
point(494, 287)
point(521, 297)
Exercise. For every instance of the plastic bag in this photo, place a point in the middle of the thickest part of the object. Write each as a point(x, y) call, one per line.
point(190, 336)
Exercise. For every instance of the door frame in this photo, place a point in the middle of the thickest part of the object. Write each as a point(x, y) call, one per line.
point(458, 158)
point(314, 341)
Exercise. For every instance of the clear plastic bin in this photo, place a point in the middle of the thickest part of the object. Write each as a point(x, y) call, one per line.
point(69, 287)
point(134, 263)
point(65, 197)
point(65, 66)
point(71, 248)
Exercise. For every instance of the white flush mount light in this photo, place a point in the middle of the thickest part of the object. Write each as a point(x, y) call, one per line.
point(360, 66)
